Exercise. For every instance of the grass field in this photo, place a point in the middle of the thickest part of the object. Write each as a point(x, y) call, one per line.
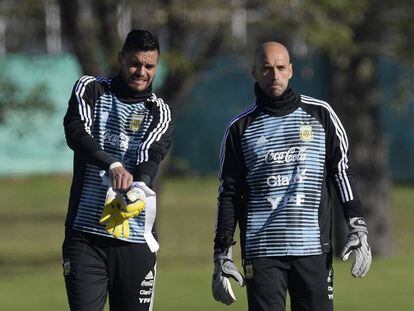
point(31, 233)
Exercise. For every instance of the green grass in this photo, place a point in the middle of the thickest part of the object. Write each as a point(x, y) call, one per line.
point(31, 233)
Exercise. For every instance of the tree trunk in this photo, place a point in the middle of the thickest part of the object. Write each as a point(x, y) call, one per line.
point(354, 95)
point(77, 24)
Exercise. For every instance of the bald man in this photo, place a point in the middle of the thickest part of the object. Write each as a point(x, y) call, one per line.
point(277, 159)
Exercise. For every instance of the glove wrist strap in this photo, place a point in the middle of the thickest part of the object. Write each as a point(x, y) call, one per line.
point(223, 254)
point(357, 224)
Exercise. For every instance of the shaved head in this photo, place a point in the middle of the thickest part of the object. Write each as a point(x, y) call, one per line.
point(270, 47)
point(272, 68)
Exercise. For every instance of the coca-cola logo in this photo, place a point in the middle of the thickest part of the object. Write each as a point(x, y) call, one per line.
point(293, 154)
point(121, 140)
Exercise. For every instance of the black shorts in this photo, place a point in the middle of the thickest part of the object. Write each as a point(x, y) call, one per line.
point(94, 266)
point(308, 279)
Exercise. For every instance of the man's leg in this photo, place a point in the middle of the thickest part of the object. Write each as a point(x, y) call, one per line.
point(266, 281)
point(85, 274)
point(132, 269)
point(310, 283)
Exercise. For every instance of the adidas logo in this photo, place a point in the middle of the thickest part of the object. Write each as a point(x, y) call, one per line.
point(149, 276)
point(262, 140)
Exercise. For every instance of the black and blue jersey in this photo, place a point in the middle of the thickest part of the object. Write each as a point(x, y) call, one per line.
point(106, 122)
point(277, 160)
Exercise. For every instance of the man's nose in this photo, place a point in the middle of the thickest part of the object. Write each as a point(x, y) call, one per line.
point(274, 74)
point(141, 70)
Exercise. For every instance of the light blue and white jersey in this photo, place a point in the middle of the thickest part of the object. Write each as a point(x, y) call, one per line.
point(277, 160)
point(285, 159)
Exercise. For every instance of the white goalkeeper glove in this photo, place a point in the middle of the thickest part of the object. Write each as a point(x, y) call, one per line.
point(144, 188)
point(224, 268)
point(358, 243)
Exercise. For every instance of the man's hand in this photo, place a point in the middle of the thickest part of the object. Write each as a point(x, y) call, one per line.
point(224, 268)
point(121, 179)
point(358, 243)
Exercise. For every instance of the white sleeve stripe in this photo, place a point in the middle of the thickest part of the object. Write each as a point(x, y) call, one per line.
point(342, 179)
point(165, 126)
point(162, 126)
point(335, 119)
point(340, 188)
point(78, 89)
point(223, 144)
point(84, 109)
point(157, 132)
point(104, 79)
point(145, 145)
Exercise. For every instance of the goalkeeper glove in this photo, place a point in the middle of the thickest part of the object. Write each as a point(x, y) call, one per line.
point(111, 215)
point(135, 199)
point(134, 202)
point(118, 209)
point(224, 268)
point(358, 243)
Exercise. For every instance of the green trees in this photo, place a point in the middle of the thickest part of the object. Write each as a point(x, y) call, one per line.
point(352, 34)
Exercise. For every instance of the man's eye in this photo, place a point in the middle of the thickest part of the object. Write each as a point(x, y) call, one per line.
point(133, 64)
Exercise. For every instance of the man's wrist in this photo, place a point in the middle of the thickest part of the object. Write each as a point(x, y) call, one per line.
point(220, 254)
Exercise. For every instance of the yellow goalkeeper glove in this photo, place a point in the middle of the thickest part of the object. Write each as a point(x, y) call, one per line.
point(118, 210)
point(116, 223)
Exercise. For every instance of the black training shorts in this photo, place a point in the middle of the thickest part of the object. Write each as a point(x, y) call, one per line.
point(95, 266)
point(308, 279)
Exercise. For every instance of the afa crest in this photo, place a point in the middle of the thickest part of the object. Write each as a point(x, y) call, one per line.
point(136, 122)
point(306, 133)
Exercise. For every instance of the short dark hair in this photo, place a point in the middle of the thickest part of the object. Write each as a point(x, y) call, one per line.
point(143, 40)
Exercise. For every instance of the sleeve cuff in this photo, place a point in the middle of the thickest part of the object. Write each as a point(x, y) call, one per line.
point(114, 165)
point(146, 170)
point(352, 209)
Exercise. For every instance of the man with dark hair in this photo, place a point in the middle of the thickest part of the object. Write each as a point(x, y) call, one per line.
point(119, 131)
point(277, 159)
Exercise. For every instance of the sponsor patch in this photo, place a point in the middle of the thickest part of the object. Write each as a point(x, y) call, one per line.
point(145, 291)
point(293, 154)
point(330, 284)
point(296, 199)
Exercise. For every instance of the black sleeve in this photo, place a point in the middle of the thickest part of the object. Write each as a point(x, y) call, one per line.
point(232, 187)
point(339, 167)
point(78, 122)
point(155, 143)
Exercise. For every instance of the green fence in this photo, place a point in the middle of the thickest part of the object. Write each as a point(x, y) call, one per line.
point(37, 145)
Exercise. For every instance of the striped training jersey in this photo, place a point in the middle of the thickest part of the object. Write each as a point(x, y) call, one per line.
point(275, 167)
point(105, 123)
